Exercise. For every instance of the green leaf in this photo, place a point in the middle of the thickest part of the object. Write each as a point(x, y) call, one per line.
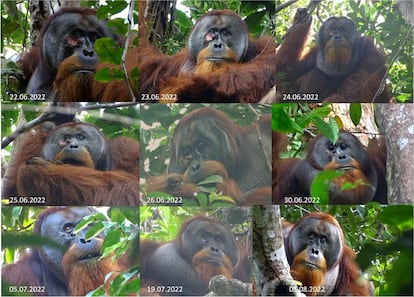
point(91, 219)
point(319, 112)
point(330, 130)
point(94, 230)
point(118, 26)
point(321, 184)
point(108, 50)
point(209, 188)
point(111, 8)
point(355, 112)
point(112, 238)
point(253, 21)
point(202, 199)
point(212, 179)
point(217, 200)
point(183, 20)
point(281, 121)
point(322, 127)
point(333, 125)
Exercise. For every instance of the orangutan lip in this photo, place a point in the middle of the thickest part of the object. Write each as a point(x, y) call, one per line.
point(88, 71)
point(213, 261)
point(310, 265)
point(345, 168)
point(90, 256)
point(217, 59)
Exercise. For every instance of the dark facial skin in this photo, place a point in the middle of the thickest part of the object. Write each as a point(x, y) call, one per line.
point(59, 227)
point(336, 29)
point(320, 238)
point(68, 38)
point(341, 152)
point(339, 33)
point(73, 33)
point(72, 141)
point(203, 140)
point(218, 32)
point(214, 238)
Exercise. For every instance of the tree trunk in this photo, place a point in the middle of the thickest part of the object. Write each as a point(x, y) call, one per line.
point(396, 121)
point(271, 271)
point(39, 12)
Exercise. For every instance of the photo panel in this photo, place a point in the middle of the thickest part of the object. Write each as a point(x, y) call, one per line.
point(70, 251)
point(74, 53)
point(336, 154)
point(219, 51)
point(75, 155)
point(348, 250)
point(191, 251)
point(206, 154)
point(344, 51)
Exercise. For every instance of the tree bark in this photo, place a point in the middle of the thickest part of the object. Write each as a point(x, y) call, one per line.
point(39, 13)
point(271, 271)
point(396, 121)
